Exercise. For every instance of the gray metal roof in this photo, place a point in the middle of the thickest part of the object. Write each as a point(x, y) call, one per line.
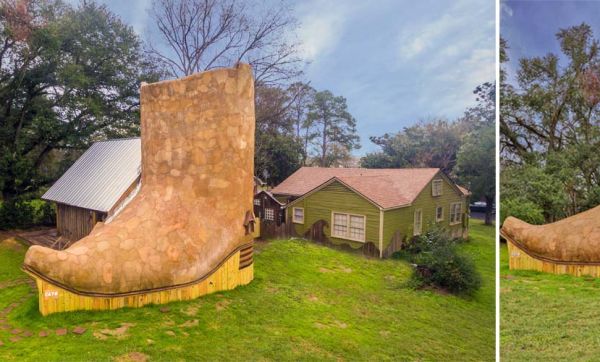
point(99, 178)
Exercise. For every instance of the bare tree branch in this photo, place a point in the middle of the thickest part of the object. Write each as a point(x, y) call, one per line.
point(198, 35)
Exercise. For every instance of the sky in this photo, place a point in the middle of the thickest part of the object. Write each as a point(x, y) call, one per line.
point(396, 61)
point(530, 27)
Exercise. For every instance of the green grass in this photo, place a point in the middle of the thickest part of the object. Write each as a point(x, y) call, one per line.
point(546, 316)
point(307, 302)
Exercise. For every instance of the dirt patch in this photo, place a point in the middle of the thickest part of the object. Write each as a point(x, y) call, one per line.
point(132, 357)
point(168, 323)
point(346, 269)
point(313, 298)
point(341, 325)
point(325, 270)
point(320, 325)
point(170, 333)
point(11, 242)
point(192, 310)
point(221, 305)
point(189, 324)
point(119, 333)
point(384, 333)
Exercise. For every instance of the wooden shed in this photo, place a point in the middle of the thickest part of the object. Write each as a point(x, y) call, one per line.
point(96, 187)
point(268, 208)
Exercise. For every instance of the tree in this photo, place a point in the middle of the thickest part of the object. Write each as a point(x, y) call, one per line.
point(304, 97)
point(335, 128)
point(549, 119)
point(277, 149)
point(476, 166)
point(198, 35)
point(279, 156)
point(68, 77)
point(427, 144)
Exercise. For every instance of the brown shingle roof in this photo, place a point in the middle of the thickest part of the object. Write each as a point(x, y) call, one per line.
point(385, 187)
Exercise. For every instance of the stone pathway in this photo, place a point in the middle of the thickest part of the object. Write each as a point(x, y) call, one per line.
point(17, 334)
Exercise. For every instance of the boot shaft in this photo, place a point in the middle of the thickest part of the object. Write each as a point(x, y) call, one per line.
point(198, 137)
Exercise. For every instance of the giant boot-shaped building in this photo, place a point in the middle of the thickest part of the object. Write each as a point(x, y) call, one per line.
point(188, 232)
point(568, 246)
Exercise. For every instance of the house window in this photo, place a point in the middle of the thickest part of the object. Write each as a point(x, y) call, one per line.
point(439, 213)
point(455, 213)
point(269, 214)
point(298, 215)
point(257, 202)
point(348, 226)
point(436, 188)
point(418, 223)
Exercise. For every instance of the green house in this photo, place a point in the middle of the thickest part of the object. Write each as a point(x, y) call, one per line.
point(373, 209)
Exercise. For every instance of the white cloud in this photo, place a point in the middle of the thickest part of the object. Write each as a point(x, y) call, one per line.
point(322, 25)
point(506, 9)
point(414, 40)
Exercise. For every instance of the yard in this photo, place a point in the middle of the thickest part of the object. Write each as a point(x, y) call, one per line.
point(307, 302)
point(546, 316)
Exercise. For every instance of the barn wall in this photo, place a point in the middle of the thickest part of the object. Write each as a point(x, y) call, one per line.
point(75, 223)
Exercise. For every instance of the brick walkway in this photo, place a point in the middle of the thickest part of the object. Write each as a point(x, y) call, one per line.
point(17, 334)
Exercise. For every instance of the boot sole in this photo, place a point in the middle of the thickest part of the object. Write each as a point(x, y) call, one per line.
point(237, 269)
point(520, 258)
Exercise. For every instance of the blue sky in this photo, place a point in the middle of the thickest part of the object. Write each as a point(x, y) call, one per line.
point(530, 27)
point(397, 62)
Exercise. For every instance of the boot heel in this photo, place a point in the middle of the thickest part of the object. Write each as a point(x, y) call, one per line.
point(236, 270)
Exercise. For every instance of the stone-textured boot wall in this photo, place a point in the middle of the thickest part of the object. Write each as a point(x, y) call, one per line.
point(568, 246)
point(191, 214)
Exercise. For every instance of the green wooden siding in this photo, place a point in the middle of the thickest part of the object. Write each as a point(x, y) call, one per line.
point(337, 197)
point(403, 219)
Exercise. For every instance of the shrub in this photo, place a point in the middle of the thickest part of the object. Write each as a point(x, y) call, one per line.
point(26, 213)
point(445, 268)
point(437, 263)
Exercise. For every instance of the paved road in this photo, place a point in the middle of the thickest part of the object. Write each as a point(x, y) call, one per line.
point(481, 216)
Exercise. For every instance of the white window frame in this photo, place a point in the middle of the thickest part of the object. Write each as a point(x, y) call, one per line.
point(441, 218)
point(435, 182)
point(294, 220)
point(419, 230)
point(455, 217)
point(256, 202)
point(267, 209)
point(347, 236)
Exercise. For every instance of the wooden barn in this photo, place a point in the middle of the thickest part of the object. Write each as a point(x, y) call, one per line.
point(96, 187)
point(375, 210)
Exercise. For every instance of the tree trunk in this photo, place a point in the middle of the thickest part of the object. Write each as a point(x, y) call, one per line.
point(324, 144)
point(489, 201)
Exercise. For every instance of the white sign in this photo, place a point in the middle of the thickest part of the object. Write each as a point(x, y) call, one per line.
point(51, 294)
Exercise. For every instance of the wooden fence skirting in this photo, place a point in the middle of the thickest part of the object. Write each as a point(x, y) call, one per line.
point(519, 259)
point(233, 272)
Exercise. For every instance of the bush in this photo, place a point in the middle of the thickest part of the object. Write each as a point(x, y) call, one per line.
point(437, 263)
point(444, 268)
point(23, 214)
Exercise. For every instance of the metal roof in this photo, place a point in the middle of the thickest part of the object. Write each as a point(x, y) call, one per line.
point(99, 178)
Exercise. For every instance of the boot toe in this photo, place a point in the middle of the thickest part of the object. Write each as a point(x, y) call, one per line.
point(40, 259)
point(516, 229)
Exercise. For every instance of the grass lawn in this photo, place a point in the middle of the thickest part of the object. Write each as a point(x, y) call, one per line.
point(307, 302)
point(546, 316)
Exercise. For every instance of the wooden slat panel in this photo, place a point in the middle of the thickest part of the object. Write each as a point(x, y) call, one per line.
point(53, 299)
